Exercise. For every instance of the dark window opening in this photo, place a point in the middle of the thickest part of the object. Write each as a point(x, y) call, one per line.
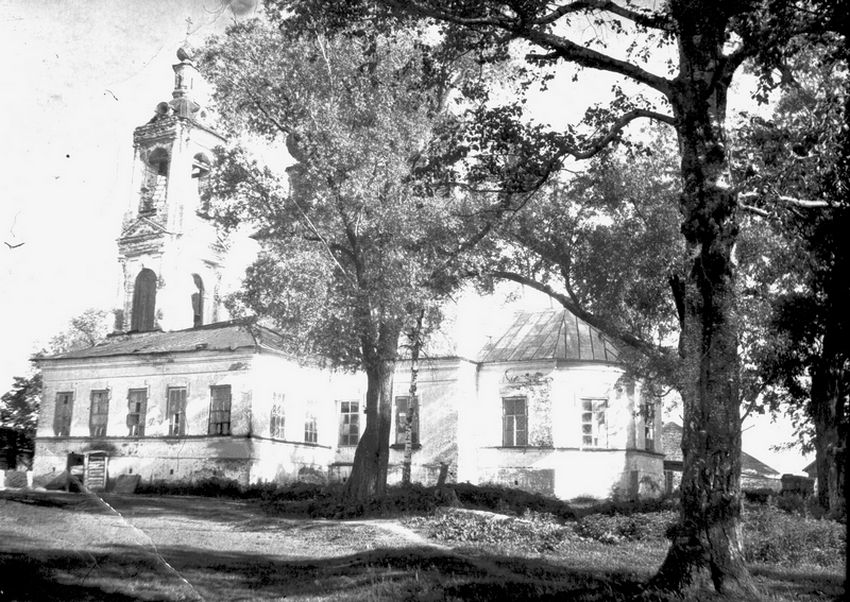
point(219, 410)
point(155, 181)
point(137, 408)
point(402, 411)
point(198, 301)
point(647, 411)
point(201, 173)
point(144, 301)
point(514, 422)
point(99, 413)
point(63, 413)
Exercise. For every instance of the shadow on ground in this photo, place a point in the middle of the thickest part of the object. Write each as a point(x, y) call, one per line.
point(412, 573)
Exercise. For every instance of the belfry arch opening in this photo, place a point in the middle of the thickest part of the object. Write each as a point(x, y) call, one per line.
point(155, 181)
point(197, 301)
point(143, 316)
point(200, 174)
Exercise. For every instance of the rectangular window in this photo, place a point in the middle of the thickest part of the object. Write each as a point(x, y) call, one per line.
point(402, 409)
point(311, 433)
point(594, 424)
point(176, 411)
point(277, 421)
point(137, 407)
point(514, 422)
point(99, 413)
point(349, 422)
point(647, 411)
point(63, 413)
point(220, 410)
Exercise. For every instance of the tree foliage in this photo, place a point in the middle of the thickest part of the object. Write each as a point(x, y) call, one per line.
point(703, 44)
point(355, 243)
point(794, 163)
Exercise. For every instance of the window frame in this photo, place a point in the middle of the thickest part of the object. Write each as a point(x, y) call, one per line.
point(311, 430)
point(277, 417)
point(591, 425)
point(98, 421)
point(170, 412)
point(512, 434)
point(62, 420)
point(648, 414)
point(219, 429)
point(401, 419)
point(349, 423)
point(136, 428)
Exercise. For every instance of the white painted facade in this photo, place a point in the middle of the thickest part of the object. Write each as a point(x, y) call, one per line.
point(515, 417)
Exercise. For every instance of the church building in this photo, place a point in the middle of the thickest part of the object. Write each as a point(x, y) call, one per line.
point(180, 392)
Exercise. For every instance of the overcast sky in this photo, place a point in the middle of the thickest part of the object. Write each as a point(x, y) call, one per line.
point(77, 77)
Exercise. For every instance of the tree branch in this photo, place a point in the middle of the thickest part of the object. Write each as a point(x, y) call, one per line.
point(645, 19)
point(796, 202)
point(518, 27)
point(640, 344)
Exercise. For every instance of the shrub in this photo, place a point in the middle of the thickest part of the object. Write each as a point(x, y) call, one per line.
point(761, 495)
point(539, 532)
point(774, 536)
point(510, 501)
point(208, 487)
point(617, 528)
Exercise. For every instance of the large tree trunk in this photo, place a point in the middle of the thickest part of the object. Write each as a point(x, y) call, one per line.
point(827, 412)
point(709, 534)
point(368, 479)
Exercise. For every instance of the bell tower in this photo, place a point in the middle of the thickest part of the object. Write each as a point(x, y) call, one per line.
point(170, 252)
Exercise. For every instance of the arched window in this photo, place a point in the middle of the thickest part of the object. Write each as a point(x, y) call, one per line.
point(198, 301)
point(201, 172)
point(144, 301)
point(156, 179)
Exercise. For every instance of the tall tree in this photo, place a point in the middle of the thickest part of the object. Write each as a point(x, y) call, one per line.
point(793, 164)
point(357, 243)
point(704, 43)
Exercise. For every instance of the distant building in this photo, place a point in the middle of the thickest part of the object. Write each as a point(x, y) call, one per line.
point(179, 392)
point(755, 474)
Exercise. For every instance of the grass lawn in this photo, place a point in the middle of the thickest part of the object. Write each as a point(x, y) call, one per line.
point(56, 546)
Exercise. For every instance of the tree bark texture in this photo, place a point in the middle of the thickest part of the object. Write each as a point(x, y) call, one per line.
point(368, 479)
point(827, 411)
point(709, 534)
point(415, 340)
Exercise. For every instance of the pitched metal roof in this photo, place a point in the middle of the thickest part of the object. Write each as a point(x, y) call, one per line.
point(552, 334)
point(221, 336)
point(671, 435)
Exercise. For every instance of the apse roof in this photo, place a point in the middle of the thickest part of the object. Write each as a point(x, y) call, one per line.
point(551, 334)
point(221, 336)
point(671, 434)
